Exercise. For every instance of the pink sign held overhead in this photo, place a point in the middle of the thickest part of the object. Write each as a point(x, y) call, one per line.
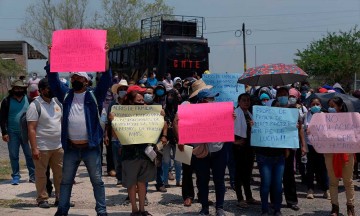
point(207, 122)
point(77, 50)
point(335, 132)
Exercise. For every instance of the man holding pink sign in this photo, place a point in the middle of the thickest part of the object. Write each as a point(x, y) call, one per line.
point(81, 134)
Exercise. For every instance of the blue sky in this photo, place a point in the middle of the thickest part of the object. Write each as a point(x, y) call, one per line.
point(278, 27)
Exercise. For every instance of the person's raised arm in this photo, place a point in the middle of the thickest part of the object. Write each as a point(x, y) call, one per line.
point(105, 80)
point(59, 89)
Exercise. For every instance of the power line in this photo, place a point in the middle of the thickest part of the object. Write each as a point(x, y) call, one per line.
point(285, 14)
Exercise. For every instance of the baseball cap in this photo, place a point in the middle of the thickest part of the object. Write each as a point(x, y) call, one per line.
point(135, 88)
point(82, 74)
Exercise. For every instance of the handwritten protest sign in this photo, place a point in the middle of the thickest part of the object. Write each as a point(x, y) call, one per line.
point(335, 132)
point(275, 127)
point(77, 50)
point(207, 122)
point(226, 85)
point(136, 124)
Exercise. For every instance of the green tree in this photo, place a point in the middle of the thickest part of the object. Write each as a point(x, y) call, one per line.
point(45, 16)
point(334, 58)
point(10, 68)
point(122, 18)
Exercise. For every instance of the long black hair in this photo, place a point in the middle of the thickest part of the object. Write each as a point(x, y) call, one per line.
point(242, 95)
point(339, 102)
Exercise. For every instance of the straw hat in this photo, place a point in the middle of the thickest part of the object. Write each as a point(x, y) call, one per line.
point(197, 86)
point(18, 83)
point(115, 87)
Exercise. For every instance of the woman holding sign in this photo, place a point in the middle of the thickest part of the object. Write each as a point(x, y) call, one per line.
point(243, 153)
point(340, 165)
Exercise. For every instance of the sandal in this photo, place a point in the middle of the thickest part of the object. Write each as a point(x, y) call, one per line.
point(242, 204)
point(187, 202)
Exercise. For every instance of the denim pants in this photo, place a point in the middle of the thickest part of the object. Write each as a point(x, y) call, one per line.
point(14, 147)
point(92, 160)
point(271, 173)
point(166, 162)
point(216, 162)
point(116, 149)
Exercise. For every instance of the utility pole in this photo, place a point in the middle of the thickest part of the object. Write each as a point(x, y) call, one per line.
point(244, 45)
point(243, 32)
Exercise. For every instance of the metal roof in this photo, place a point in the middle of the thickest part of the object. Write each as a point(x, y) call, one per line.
point(15, 47)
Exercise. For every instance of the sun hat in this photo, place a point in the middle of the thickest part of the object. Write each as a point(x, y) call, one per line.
point(207, 93)
point(197, 86)
point(115, 87)
point(18, 83)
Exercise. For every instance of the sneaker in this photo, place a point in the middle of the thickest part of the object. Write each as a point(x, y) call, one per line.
point(161, 189)
point(15, 181)
point(32, 180)
point(145, 213)
point(60, 214)
point(220, 212)
point(204, 212)
point(326, 195)
point(102, 214)
point(310, 194)
point(43, 204)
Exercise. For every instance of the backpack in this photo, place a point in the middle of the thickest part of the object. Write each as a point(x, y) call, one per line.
point(23, 121)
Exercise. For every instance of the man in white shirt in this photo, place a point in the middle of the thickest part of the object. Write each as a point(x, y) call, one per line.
point(44, 128)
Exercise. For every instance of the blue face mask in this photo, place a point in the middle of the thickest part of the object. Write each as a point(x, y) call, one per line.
point(283, 100)
point(160, 92)
point(148, 98)
point(331, 110)
point(315, 109)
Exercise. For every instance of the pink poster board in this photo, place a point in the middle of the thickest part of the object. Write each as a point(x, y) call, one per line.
point(335, 132)
point(207, 122)
point(77, 50)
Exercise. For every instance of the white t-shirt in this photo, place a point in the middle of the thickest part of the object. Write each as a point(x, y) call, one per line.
point(77, 122)
point(33, 84)
point(168, 84)
point(48, 130)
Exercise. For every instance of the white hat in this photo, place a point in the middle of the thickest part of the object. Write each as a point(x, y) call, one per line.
point(82, 74)
point(115, 87)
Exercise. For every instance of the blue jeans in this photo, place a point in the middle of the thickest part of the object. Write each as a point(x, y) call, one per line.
point(271, 173)
point(216, 162)
point(166, 163)
point(14, 147)
point(116, 148)
point(92, 160)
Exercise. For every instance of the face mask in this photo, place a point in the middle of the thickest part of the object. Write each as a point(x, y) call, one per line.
point(18, 93)
point(315, 109)
point(283, 100)
point(292, 101)
point(159, 92)
point(331, 110)
point(77, 85)
point(144, 80)
point(122, 94)
point(148, 98)
point(263, 103)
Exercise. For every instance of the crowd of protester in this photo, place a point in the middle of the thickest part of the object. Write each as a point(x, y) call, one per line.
point(68, 125)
